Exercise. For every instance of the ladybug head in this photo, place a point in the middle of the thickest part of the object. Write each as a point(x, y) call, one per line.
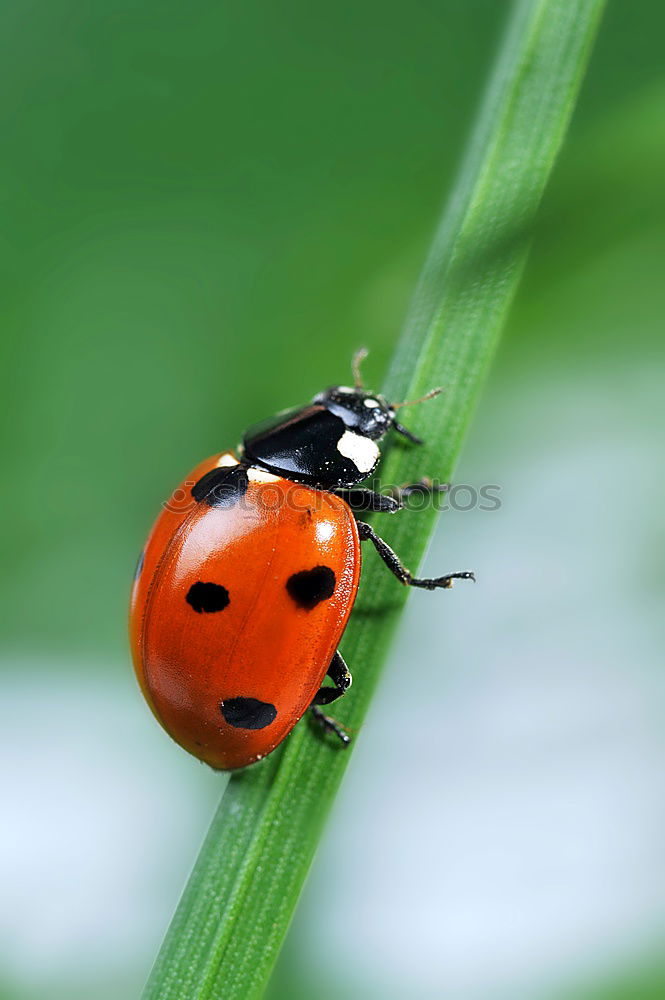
point(366, 413)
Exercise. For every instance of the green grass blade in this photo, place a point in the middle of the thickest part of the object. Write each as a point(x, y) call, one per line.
point(235, 910)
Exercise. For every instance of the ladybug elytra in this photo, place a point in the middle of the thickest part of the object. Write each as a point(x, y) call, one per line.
point(245, 586)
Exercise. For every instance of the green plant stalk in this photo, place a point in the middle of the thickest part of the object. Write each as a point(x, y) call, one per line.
point(236, 908)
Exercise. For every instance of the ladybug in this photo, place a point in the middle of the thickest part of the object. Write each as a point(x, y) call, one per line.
point(248, 577)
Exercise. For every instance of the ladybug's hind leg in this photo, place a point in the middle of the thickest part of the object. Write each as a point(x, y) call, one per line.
point(393, 563)
point(339, 674)
point(341, 677)
point(329, 724)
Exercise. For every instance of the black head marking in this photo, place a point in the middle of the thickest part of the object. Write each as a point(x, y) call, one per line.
point(207, 597)
point(366, 413)
point(311, 586)
point(247, 713)
point(222, 487)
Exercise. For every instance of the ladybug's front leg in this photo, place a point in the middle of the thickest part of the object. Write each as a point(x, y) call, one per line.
point(341, 677)
point(424, 487)
point(393, 563)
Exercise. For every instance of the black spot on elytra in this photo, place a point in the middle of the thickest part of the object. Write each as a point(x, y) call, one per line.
point(222, 487)
point(207, 597)
point(311, 586)
point(139, 565)
point(247, 713)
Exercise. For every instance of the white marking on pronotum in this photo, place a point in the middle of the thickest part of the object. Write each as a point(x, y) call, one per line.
point(259, 476)
point(361, 450)
point(226, 460)
point(345, 388)
point(371, 404)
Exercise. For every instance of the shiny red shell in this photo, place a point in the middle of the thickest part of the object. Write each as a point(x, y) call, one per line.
point(262, 645)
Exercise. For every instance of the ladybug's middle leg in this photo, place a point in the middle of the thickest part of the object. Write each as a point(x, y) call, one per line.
point(341, 677)
point(361, 498)
point(393, 563)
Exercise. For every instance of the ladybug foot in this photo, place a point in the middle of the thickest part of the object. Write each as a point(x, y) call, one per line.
point(329, 725)
point(434, 583)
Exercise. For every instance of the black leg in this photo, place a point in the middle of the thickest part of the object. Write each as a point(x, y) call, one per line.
point(424, 487)
point(405, 432)
point(401, 572)
point(339, 674)
point(341, 678)
point(329, 724)
point(362, 498)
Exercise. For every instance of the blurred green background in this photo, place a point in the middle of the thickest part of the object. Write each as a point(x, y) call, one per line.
point(206, 209)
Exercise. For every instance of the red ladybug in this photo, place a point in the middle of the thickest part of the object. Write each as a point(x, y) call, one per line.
point(247, 580)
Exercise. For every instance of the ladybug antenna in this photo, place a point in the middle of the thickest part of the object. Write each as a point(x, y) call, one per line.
point(358, 359)
point(412, 402)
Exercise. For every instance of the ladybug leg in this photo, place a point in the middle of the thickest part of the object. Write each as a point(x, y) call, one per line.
point(424, 487)
point(330, 725)
point(405, 432)
point(360, 498)
point(401, 572)
point(341, 678)
point(339, 674)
